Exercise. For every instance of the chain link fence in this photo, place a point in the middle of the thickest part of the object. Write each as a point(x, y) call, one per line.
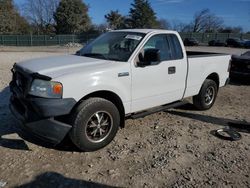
point(53, 40)
point(206, 37)
point(43, 40)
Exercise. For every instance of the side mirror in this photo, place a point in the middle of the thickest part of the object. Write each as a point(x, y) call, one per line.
point(150, 56)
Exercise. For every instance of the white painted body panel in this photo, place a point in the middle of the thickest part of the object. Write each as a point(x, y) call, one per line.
point(152, 85)
point(143, 88)
point(201, 67)
point(81, 76)
point(105, 78)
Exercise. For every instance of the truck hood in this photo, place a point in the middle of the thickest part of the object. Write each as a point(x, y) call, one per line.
point(60, 65)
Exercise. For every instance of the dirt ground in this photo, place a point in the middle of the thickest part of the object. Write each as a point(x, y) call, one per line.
point(175, 148)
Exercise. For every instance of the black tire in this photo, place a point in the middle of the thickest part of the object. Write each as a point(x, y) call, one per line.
point(85, 116)
point(201, 101)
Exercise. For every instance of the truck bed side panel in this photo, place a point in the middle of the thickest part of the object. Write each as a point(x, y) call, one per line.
point(201, 67)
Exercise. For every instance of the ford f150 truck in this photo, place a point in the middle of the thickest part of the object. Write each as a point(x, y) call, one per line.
point(121, 74)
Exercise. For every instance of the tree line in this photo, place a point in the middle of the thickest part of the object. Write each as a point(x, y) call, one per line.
point(71, 17)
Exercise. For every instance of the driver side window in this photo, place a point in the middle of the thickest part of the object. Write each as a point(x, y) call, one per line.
point(159, 42)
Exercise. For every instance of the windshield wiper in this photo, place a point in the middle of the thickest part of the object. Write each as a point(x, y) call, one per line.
point(95, 55)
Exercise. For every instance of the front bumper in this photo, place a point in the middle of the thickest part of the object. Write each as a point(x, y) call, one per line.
point(39, 115)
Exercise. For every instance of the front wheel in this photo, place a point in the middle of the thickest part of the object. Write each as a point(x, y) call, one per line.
point(95, 123)
point(207, 95)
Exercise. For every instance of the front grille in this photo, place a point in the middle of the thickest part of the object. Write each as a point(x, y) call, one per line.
point(20, 81)
point(18, 106)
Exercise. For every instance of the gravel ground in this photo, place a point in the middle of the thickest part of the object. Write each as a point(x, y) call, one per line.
point(175, 148)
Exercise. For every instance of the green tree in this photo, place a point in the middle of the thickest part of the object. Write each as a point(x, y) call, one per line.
point(22, 26)
point(11, 22)
point(115, 20)
point(142, 15)
point(71, 17)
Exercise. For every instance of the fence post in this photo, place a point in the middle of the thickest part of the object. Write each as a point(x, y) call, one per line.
point(202, 38)
point(3, 39)
point(31, 40)
point(73, 39)
point(58, 40)
point(16, 40)
point(45, 40)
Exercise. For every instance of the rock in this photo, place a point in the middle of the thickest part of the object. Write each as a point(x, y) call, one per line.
point(73, 45)
point(210, 182)
point(2, 184)
point(111, 172)
point(90, 165)
point(156, 127)
point(197, 155)
point(188, 178)
point(164, 136)
point(100, 173)
point(154, 165)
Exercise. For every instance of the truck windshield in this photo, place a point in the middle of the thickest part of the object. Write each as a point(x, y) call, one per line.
point(117, 46)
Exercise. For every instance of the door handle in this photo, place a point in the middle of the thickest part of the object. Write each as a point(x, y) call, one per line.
point(171, 70)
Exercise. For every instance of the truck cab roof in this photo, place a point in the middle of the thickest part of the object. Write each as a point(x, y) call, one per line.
point(146, 31)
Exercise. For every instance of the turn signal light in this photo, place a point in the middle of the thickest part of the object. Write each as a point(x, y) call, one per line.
point(57, 88)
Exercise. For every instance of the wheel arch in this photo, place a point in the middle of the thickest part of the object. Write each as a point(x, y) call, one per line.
point(110, 96)
point(215, 77)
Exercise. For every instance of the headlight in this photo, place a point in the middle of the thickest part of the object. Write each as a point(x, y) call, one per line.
point(46, 89)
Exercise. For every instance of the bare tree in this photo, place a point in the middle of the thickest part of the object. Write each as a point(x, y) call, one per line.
point(40, 14)
point(205, 21)
point(164, 24)
point(180, 26)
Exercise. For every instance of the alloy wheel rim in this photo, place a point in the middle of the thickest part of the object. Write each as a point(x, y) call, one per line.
point(99, 126)
point(209, 95)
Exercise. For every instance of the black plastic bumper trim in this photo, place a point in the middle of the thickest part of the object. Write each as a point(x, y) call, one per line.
point(52, 107)
point(49, 129)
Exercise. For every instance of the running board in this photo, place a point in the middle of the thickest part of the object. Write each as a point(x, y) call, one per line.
point(157, 109)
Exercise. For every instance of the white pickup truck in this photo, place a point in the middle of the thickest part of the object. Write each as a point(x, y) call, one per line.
point(121, 74)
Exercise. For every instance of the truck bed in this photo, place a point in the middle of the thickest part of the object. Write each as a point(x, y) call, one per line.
point(201, 65)
point(193, 54)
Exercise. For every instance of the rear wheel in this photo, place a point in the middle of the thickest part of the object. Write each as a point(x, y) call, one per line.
point(207, 95)
point(95, 124)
